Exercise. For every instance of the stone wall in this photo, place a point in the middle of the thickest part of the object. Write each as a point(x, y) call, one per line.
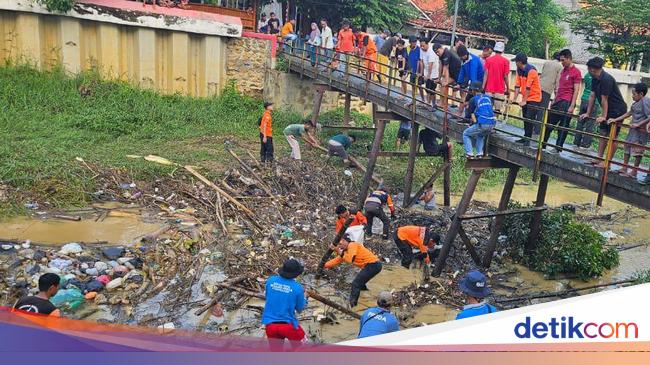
point(248, 60)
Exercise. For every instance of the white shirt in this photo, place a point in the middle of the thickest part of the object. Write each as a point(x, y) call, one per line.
point(430, 57)
point(327, 38)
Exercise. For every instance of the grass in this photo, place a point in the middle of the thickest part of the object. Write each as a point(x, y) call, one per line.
point(51, 118)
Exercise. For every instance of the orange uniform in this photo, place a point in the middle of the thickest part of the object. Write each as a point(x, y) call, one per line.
point(365, 40)
point(529, 79)
point(414, 236)
point(358, 220)
point(266, 125)
point(356, 255)
point(345, 41)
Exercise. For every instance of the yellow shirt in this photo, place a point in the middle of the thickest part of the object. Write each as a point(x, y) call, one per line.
point(287, 28)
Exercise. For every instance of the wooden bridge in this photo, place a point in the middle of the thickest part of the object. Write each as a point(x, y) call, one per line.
point(390, 104)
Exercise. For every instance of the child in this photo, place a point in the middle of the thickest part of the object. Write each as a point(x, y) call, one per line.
point(483, 120)
point(266, 134)
point(640, 112)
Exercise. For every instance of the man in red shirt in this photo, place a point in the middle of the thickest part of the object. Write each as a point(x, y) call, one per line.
point(344, 46)
point(566, 96)
point(495, 81)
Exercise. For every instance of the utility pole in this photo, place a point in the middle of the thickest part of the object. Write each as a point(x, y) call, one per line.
point(453, 28)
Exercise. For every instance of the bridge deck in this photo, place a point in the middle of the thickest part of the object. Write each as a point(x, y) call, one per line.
point(565, 166)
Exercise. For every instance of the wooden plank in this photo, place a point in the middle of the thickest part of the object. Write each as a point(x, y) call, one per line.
point(410, 168)
point(329, 126)
point(372, 160)
point(498, 222)
point(535, 224)
point(468, 244)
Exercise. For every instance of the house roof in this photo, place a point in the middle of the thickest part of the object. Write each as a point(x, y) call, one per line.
point(434, 17)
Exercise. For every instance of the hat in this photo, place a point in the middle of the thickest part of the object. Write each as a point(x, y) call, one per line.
point(499, 47)
point(474, 284)
point(290, 269)
point(436, 46)
point(267, 104)
point(385, 299)
point(520, 57)
point(475, 86)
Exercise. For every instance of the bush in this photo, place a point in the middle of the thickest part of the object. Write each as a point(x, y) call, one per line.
point(58, 5)
point(281, 64)
point(565, 246)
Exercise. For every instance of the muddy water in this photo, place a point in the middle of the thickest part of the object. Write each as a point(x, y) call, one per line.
point(119, 227)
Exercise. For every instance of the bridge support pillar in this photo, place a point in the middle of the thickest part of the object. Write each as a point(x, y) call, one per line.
point(456, 222)
point(319, 92)
point(535, 224)
point(498, 220)
point(346, 110)
point(408, 179)
point(380, 125)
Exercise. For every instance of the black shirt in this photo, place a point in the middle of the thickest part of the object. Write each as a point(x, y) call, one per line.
point(428, 138)
point(452, 60)
point(274, 26)
point(607, 86)
point(35, 304)
point(402, 63)
point(387, 47)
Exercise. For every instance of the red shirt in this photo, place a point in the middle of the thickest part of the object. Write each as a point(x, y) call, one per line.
point(497, 67)
point(568, 77)
point(346, 41)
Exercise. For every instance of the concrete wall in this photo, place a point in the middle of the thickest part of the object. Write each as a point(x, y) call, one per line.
point(169, 61)
point(289, 92)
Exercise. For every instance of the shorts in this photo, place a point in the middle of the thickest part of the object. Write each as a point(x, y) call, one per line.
point(403, 134)
point(605, 129)
point(637, 136)
point(415, 78)
point(402, 74)
point(431, 86)
point(282, 331)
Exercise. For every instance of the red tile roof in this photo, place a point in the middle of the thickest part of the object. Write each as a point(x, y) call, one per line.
point(430, 5)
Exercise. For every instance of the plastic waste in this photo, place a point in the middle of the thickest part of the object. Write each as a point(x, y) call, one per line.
point(68, 298)
point(59, 263)
point(71, 248)
point(31, 205)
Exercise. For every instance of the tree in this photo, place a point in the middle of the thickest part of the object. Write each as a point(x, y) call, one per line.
point(616, 29)
point(531, 26)
point(377, 14)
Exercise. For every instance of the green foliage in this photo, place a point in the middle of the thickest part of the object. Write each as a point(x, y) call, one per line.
point(642, 277)
point(565, 246)
point(58, 5)
point(281, 64)
point(528, 24)
point(378, 14)
point(616, 29)
point(335, 117)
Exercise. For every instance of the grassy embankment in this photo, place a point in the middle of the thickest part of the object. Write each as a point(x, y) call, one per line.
point(46, 123)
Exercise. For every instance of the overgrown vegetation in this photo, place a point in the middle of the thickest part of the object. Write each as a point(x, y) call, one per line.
point(642, 277)
point(565, 246)
point(58, 5)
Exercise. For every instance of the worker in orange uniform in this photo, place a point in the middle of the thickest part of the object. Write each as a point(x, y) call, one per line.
point(355, 254)
point(366, 48)
point(409, 237)
point(266, 134)
point(374, 207)
point(356, 227)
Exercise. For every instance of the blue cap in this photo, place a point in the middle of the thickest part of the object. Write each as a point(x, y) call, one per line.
point(474, 284)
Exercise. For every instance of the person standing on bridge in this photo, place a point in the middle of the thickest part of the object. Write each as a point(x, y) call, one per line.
point(355, 254)
point(327, 40)
point(430, 67)
point(266, 134)
point(566, 96)
point(344, 47)
point(367, 49)
point(374, 208)
point(496, 79)
point(470, 72)
point(482, 115)
point(605, 89)
point(528, 85)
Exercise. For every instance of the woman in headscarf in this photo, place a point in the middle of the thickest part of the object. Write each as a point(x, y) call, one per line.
point(314, 43)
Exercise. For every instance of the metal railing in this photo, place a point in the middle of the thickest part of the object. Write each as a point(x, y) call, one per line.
point(326, 62)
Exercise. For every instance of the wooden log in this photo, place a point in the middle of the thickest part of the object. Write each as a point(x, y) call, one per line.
point(67, 217)
point(352, 160)
point(410, 167)
point(234, 201)
point(338, 307)
point(336, 240)
point(468, 244)
point(263, 184)
point(564, 292)
point(220, 295)
point(250, 293)
point(372, 160)
point(535, 224)
point(498, 222)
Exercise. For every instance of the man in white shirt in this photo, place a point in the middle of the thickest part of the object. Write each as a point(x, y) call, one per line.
point(430, 66)
point(327, 40)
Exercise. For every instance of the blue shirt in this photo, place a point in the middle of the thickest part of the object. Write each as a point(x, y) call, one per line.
point(377, 321)
point(405, 124)
point(414, 58)
point(481, 106)
point(343, 140)
point(379, 41)
point(471, 70)
point(284, 297)
point(473, 310)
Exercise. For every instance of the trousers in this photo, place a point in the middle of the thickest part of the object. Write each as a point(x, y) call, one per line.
point(372, 211)
point(266, 149)
point(362, 278)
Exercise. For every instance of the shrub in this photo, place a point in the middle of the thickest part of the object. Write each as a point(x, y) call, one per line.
point(564, 246)
point(58, 5)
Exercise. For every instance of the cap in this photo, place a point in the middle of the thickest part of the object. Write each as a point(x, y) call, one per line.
point(267, 104)
point(475, 86)
point(385, 299)
point(499, 47)
point(520, 57)
point(474, 284)
point(436, 46)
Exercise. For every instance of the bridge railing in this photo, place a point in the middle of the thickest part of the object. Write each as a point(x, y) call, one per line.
point(324, 62)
